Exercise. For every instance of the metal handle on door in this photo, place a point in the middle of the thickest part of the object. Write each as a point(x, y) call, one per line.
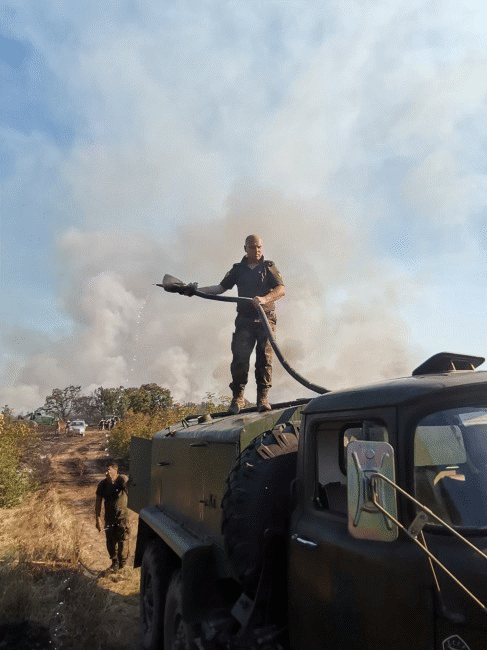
point(304, 542)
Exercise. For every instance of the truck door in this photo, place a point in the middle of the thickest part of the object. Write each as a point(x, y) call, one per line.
point(346, 593)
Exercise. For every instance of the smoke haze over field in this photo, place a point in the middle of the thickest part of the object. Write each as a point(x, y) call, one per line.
point(142, 139)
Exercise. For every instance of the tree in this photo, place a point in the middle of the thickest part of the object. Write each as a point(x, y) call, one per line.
point(149, 399)
point(110, 401)
point(212, 405)
point(7, 412)
point(62, 403)
point(160, 399)
point(85, 408)
point(138, 400)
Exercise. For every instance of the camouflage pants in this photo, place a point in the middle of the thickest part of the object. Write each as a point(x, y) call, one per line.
point(118, 542)
point(249, 334)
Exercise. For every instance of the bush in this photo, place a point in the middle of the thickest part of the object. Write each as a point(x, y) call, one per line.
point(143, 426)
point(15, 481)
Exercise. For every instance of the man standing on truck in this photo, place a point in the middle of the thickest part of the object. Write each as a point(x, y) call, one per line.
point(259, 279)
point(113, 491)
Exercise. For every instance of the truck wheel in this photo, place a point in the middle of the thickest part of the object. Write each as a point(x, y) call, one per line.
point(257, 498)
point(153, 588)
point(178, 634)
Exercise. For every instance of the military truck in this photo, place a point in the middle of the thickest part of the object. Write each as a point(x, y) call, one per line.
point(356, 520)
point(41, 418)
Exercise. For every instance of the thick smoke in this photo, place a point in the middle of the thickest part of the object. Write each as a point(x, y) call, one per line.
point(338, 324)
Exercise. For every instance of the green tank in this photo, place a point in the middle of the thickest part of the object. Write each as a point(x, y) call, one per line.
point(189, 464)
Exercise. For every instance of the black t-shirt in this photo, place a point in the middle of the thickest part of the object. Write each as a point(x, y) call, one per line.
point(253, 282)
point(115, 497)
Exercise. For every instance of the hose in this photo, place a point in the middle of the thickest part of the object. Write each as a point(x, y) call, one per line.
point(173, 285)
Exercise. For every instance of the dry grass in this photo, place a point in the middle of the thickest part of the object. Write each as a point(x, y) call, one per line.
point(78, 613)
point(43, 528)
point(41, 581)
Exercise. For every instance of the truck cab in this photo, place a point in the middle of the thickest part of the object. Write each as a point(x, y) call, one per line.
point(375, 537)
point(369, 588)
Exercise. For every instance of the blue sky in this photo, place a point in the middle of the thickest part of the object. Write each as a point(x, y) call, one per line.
point(139, 138)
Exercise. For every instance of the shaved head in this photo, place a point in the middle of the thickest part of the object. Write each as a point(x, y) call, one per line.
point(253, 239)
point(253, 248)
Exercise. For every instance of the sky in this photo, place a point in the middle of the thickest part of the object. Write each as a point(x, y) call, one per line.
point(144, 138)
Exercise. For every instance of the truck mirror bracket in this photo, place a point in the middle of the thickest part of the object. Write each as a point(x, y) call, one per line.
point(366, 460)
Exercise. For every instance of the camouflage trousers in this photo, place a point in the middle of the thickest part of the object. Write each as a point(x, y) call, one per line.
point(249, 334)
point(118, 542)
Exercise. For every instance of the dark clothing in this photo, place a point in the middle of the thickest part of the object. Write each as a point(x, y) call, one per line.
point(249, 331)
point(118, 543)
point(115, 498)
point(247, 334)
point(117, 530)
point(253, 282)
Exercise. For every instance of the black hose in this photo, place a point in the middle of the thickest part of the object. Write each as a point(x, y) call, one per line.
point(270, 335)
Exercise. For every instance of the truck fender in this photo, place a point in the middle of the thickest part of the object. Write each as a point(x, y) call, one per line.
point(206, 573)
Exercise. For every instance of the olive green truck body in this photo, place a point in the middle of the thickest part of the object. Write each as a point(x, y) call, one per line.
point(334, 571)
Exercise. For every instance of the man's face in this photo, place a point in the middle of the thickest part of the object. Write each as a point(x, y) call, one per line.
point(254, 249)
point(112, 473)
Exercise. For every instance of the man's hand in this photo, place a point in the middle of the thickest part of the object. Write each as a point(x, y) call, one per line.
point(190, 288)
point(98, 524)
point(259, 301)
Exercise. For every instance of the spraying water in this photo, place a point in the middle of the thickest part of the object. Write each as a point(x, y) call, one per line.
point(133, 364)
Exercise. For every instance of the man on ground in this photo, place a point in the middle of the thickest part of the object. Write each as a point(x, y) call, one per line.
point(112, 490)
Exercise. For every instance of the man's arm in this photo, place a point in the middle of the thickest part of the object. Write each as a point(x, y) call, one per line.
point(98, 512)
point(213, 290)
point(274, 294)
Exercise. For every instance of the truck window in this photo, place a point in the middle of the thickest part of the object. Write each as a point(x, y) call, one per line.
point(450, 463)
point(331, 443)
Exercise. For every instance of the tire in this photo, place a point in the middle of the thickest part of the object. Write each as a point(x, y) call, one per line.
point(257, 498)
point(154, 582)
point(178, 634)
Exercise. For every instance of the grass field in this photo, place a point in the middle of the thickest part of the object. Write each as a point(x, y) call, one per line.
point(53, 594)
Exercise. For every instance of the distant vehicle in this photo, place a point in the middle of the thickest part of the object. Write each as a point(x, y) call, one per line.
point(40, 418)
point(78, 426)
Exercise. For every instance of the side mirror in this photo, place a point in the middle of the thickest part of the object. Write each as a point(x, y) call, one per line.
point(365, 459)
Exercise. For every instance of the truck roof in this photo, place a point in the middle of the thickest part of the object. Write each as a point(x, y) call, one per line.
point(393, 392)
point(246, 425)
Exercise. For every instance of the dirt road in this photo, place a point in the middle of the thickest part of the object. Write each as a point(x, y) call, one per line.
point(74, 465)
point(42, 595)
point(71, 466)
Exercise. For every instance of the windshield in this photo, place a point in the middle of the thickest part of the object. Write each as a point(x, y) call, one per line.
point(450, 459)
point(78, 423)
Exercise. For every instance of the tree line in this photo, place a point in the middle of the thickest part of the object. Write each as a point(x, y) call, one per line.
point(149, 399)
point(142, 412)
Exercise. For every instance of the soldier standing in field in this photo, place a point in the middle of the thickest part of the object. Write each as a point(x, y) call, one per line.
point(259, 279)
point(112, 490)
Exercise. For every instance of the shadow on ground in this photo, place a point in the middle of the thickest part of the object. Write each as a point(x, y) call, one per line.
point(43, 609)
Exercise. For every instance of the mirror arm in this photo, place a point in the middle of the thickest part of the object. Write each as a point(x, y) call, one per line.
point(428, 511)
point(426, 550)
